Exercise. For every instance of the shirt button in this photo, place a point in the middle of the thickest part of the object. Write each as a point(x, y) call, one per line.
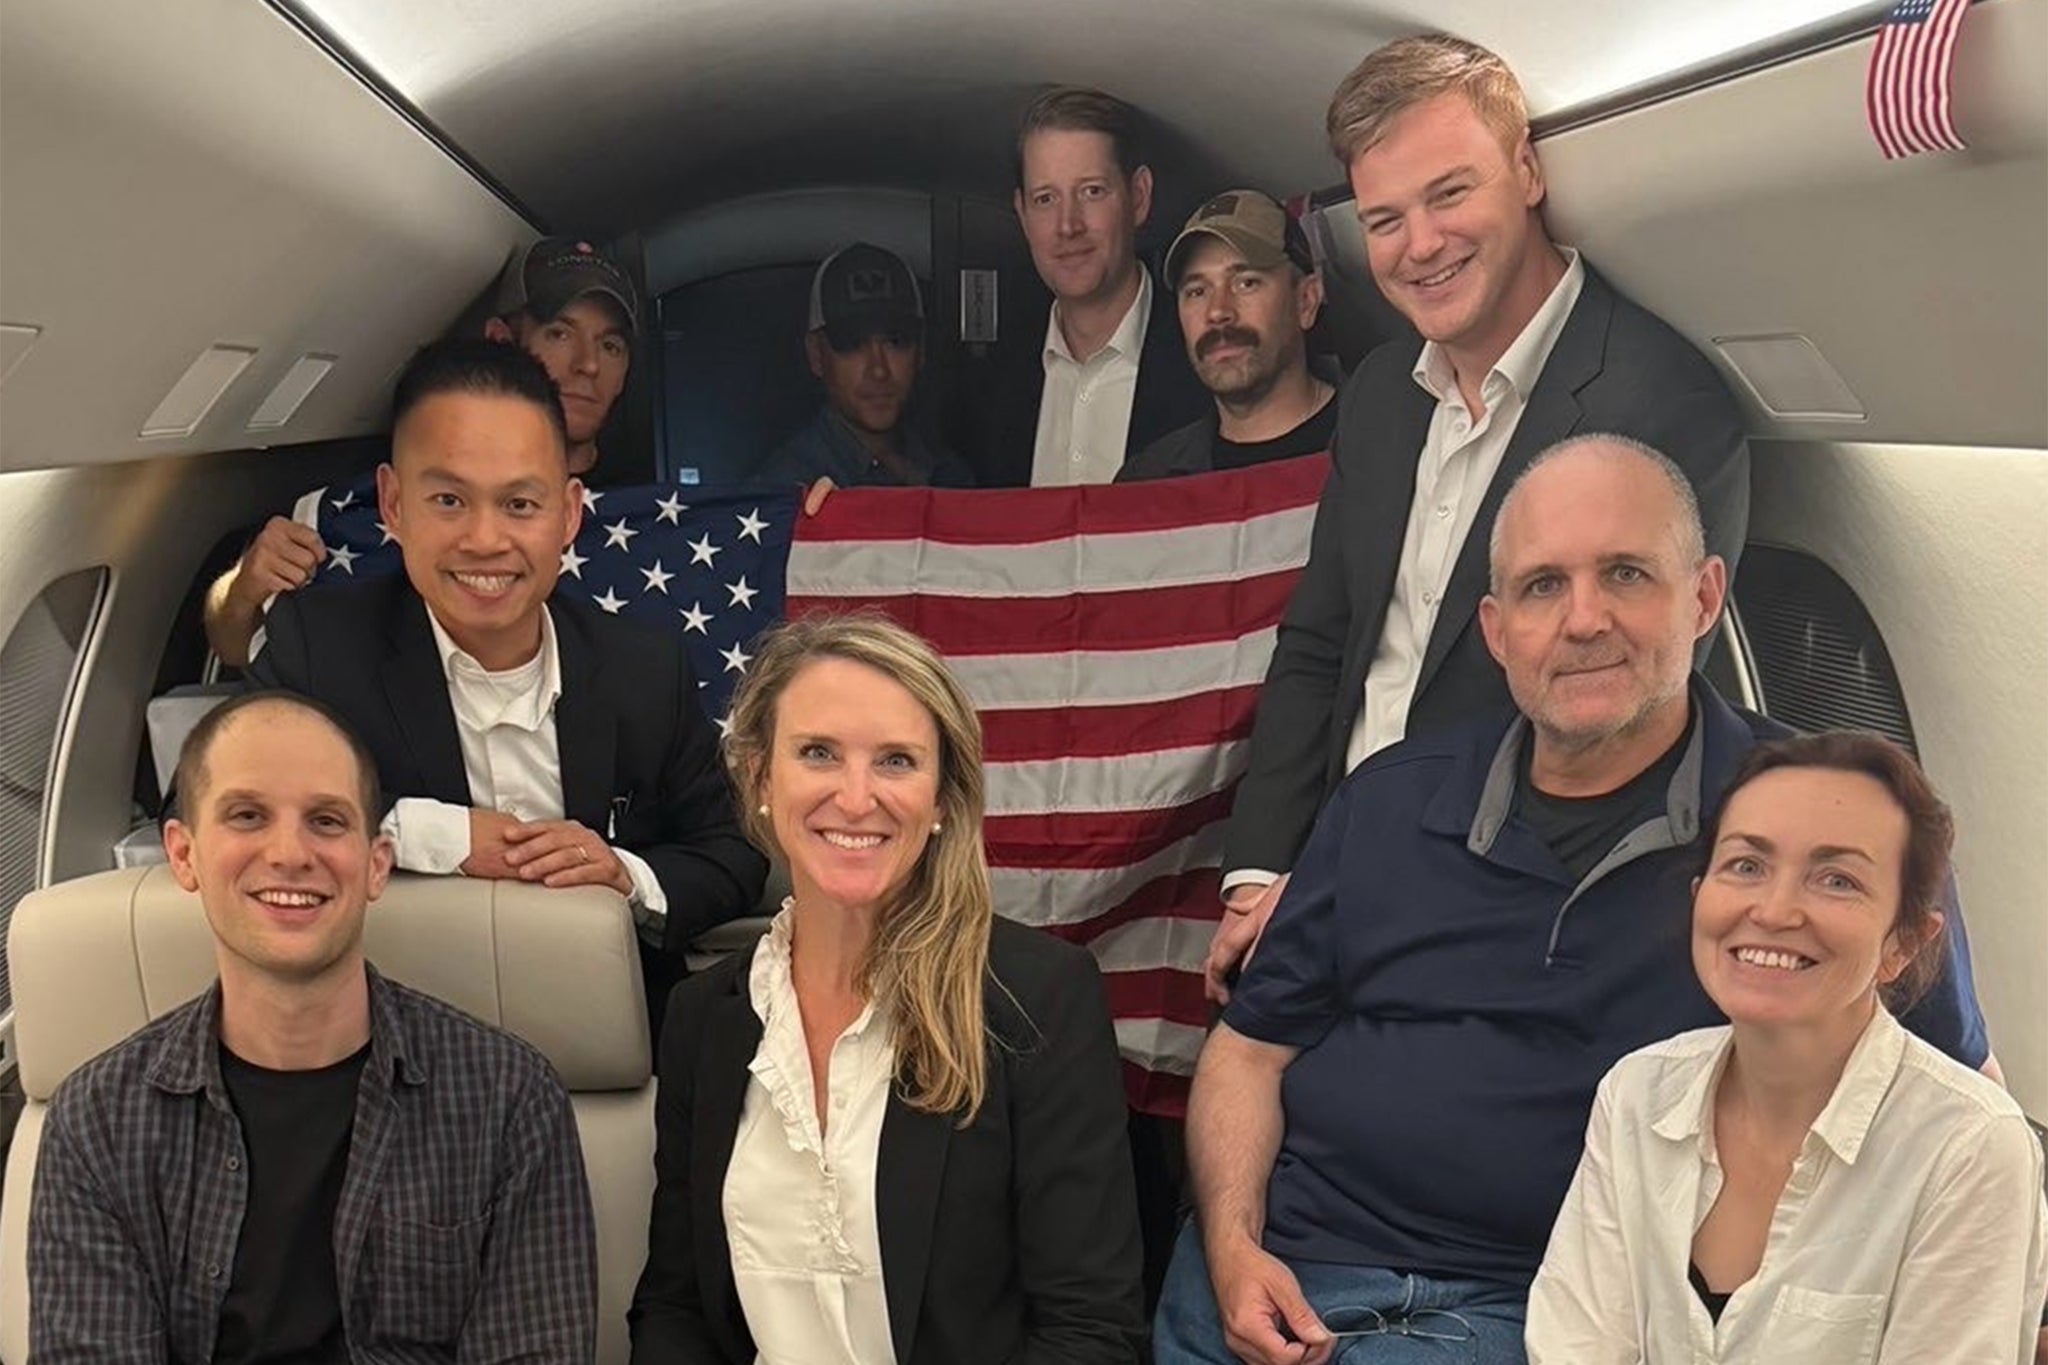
point(1428, 597)
point(234, 1163)
point(1443, 509)
point(213, 1270)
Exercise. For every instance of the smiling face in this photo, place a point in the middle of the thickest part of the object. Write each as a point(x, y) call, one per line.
point(586, 349)
point(1794, 921)
point(279, 847)
point(1451, 227)
point(1597, 601)
point(852, 784)
point(1244, 328)
point(479, 497)
point(1080, 213)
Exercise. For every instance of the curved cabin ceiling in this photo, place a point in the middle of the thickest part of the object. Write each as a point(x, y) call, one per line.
point(604, 115)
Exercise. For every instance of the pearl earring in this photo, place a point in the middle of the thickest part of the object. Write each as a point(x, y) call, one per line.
point(764, 808)
point(938, 828)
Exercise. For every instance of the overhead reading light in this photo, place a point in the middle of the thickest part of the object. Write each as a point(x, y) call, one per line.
point(282, 403)
point(193, 396)
point(15, 340)
point(1791, 378)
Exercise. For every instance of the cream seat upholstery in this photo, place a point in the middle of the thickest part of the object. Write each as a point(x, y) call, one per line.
point(94, 959)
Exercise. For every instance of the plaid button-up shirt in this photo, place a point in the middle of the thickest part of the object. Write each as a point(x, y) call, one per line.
point(464, 1229)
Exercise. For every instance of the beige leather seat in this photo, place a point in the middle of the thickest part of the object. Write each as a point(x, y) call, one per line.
point(94, 959)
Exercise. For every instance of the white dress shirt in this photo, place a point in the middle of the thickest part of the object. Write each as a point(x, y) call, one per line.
point(1912, 1230)
point(800, 1202)
point(1459, 458)
point(512, 760)
point(1084, 414)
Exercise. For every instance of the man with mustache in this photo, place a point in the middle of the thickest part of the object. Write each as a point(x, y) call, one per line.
point(565, 303)
point(1522, 344)
point(1248, 293)
point(865, 344)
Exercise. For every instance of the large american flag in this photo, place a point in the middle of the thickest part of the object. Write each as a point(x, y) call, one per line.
point(1906, 94)
point(1114, 639)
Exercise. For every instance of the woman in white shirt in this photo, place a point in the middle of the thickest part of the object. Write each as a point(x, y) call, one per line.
point(894, 1131)
point(1810, 1183)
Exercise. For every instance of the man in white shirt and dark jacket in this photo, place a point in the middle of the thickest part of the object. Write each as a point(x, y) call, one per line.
point(524, 735)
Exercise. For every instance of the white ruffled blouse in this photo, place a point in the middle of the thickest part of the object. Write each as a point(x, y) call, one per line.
point(800, 1203)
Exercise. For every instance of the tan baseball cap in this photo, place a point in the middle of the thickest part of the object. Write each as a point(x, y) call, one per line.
point(1254, 224)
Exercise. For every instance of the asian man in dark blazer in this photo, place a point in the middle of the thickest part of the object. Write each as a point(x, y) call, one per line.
point(523, 734)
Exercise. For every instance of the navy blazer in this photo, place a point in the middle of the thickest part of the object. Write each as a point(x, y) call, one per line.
point(639, 757)
point(1615, 368)
point(1013, 1239)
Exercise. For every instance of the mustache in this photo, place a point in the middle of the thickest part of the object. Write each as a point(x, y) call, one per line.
point(1225, 336)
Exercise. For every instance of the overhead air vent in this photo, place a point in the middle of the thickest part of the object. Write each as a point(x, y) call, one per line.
point(15, 341)
point(282, 402)
point(1791, 378)
point(193, 396)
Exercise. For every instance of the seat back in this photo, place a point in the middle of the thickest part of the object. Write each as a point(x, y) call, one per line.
point(95, 959)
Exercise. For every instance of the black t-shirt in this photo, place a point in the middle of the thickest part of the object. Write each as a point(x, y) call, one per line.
point(283, 1304)
point(1581, 830)
point(1307, 439)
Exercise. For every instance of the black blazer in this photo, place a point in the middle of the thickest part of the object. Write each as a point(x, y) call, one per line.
point(638, 755)
point(1013, 1240)
point(1615, 368)
point(1168, 394)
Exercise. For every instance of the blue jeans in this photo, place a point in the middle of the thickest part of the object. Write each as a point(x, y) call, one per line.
point(1426, 1321)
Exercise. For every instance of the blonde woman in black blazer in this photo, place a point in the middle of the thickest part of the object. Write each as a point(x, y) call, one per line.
point(1002, 1216)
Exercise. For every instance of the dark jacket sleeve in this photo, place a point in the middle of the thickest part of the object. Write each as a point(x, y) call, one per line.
point(668, 1323)
point(706, 867)
point(282, 662)
point(1282, 790)
point(1078, 1257)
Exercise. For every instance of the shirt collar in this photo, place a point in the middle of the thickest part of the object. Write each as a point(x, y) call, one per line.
point(455, 660)
point(771, 986)
point(189, 1059)
point(1127, 340)
point(1522, 363)
point(1476, 799)
point(1843, 1124)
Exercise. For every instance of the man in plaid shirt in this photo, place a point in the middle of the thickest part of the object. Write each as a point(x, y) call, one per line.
point(308, 1162)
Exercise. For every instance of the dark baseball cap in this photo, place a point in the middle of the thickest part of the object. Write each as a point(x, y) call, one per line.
point(554, 272)
point(862, 291)
point(1254, 224)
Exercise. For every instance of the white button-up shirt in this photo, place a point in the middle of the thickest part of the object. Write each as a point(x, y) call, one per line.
point(1912, 1230)
point(799, 1199)
point(511, 758)
point(1084, 414)
point(1459, 458)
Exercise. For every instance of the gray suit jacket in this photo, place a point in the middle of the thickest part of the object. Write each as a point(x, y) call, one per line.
point(1615, 368)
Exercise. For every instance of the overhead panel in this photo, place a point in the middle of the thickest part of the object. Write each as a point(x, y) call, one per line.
point(612, 114)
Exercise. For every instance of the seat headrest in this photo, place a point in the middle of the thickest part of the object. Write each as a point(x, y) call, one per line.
point(93, 960)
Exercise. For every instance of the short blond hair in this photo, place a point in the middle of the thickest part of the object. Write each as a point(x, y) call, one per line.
point(1409, 71)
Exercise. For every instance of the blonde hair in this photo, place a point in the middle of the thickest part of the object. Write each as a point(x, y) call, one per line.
point(1409, 71)
point(929, 956)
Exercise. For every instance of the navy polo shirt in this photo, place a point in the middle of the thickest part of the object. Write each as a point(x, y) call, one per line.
point(1456, 998)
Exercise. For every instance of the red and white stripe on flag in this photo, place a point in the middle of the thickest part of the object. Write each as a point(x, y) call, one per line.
point(1907, 93)
point(1114, 639)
